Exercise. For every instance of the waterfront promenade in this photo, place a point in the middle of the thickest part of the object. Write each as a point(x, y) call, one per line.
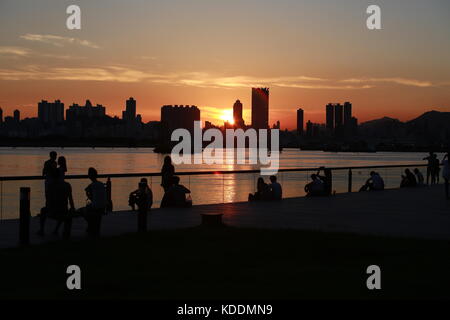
point(418, 213)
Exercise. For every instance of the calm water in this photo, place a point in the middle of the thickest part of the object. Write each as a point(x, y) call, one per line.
point(205, 189)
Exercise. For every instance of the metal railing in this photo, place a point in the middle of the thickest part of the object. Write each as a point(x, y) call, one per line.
point(211, 182)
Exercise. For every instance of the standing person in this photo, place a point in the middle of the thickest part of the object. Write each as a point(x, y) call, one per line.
point(59, 198)
point(62, 167)
point(429, 166)
point(49, 165)
point(446, 173)
point(436, 169)
point(167, 173)
point(96, 193)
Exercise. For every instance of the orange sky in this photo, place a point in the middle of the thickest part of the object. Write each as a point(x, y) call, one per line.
point(209, 54)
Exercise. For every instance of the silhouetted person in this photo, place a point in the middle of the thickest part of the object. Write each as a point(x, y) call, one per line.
point(167, 173)
point(435, 170)
point(430, 160)
point(262, 191)
point(316, 187)
point(62, 167)
point(142, 197)
point(96, 193)
point(374, 183)
point(275, 189)
point(326, 179)
point(419, 176)
point(48, 166)
point(175, 196)
point(59, 199)
point(408, 180)
point(446, 173)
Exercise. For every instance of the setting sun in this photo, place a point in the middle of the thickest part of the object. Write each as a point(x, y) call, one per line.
point(227, 116)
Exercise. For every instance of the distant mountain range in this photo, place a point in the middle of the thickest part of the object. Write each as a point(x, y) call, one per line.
point(429, 128)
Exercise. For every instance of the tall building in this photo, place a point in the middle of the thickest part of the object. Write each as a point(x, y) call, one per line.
point(300, 115)
point(178, 117)
point(260, 108)
point(130, 111)
point(1, 115)
point(347, 113)
point(16, 116)
point(88, 112)
point(237, 114)
point(338, 116)
point(51, 113)
point(330, 117)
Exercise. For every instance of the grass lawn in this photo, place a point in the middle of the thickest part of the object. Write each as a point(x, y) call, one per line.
point(229, 263)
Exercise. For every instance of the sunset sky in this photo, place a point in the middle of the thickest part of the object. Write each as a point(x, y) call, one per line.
point(209, 53)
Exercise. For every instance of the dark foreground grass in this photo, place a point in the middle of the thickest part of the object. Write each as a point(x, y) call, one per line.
point(229, 263)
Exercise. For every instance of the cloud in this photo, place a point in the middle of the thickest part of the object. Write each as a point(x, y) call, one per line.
point(401, 81)
point(127, 74)
point(14, 51)
point(58, 41)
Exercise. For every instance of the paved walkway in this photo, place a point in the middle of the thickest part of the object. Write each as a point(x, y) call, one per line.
point(421, 213)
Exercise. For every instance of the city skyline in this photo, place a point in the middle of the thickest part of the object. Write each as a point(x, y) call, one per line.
point(211, 60)
point(227, 116)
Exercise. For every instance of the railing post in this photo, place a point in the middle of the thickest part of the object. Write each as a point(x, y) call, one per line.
point(24, 221)
point(350, 178)
point(142, 218)
point(109, 203)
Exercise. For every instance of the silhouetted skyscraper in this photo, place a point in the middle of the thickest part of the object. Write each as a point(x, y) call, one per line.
point(260, 108)
point(76, 112)
point(16, 116)
point(51, 112)
point(1, 115)
point(338, 116)
point(347, 113)
point(237, 114)
point(330, 117)
point(130, 110)
point(178, 117)
point(300, 121)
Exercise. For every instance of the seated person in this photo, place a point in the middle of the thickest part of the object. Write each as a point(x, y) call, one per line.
point(262, 191)
point(175, 196)
point(374, 183)
point(96, 207)
point(316, 187)
point(420, 178)
point(59, 197)
point(275, 189)
point(141, 197)
point(408, 180)
point(326, 179)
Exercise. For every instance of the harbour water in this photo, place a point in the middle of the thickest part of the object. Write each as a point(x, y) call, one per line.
point(205, 188)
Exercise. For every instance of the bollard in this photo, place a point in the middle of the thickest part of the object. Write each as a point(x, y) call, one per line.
point(142, 219)
point(25, 214)
point(350, 176)
point(329, 181)
point(212, 220)
point(109, 204)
